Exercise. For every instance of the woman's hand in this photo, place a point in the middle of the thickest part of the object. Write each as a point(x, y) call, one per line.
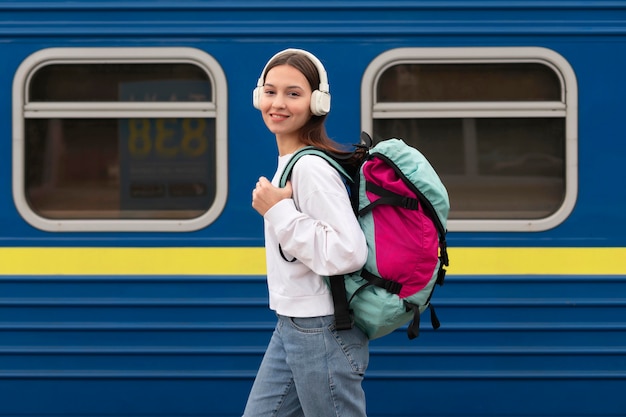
point(265, 195)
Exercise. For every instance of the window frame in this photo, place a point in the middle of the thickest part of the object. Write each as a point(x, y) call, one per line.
point(216, 108)
point(566, 108)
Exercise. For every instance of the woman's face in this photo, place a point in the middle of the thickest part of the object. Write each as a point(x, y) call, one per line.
point(285, 102)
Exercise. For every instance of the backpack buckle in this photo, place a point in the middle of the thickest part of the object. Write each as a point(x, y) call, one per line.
point(410, 203)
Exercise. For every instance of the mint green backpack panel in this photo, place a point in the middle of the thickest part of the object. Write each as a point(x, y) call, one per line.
point(377, 312)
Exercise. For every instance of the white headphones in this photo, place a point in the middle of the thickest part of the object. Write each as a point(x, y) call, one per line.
point(320, 98)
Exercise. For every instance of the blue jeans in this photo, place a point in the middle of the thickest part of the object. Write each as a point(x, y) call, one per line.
point(312, 370)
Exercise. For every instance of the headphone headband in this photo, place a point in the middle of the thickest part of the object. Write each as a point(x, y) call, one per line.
point(318, 64)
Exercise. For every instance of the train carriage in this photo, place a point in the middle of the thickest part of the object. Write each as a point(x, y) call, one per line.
point(132, 271)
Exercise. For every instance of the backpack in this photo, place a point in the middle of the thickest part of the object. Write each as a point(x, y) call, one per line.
point(402, 208)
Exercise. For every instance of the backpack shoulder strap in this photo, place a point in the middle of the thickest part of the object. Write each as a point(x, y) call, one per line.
point(311, 150)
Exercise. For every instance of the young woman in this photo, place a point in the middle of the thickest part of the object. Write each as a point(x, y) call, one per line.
point(310, 368)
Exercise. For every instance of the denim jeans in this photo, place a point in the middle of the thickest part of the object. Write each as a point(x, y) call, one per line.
point(312, 370)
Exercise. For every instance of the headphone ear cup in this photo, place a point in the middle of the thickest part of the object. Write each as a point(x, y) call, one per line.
point(320, 103)
point(256, 97)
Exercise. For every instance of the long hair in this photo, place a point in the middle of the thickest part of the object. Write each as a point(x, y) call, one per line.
point(313, 133)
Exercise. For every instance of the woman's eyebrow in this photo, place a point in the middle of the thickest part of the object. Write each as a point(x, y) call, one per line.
point(289, 86)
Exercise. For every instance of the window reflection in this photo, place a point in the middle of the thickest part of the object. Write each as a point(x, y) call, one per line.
point(120, 168)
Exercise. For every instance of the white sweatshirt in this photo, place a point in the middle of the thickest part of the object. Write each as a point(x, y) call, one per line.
point(319, 229)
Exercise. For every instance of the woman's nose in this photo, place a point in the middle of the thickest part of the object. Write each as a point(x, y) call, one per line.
point(279, 101)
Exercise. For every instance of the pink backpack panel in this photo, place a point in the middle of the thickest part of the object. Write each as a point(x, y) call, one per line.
point(406, 240)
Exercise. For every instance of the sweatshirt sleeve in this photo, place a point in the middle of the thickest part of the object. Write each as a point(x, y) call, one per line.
point(317, 226)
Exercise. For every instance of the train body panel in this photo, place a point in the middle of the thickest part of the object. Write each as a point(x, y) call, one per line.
point(164, 312)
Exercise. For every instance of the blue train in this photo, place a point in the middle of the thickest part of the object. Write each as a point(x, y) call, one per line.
point(132, 264)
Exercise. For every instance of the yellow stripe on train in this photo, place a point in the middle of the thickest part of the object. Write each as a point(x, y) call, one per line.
point(251, 261)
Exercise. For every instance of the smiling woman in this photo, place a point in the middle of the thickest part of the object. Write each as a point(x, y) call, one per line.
point(311, 221)
point(134, 277)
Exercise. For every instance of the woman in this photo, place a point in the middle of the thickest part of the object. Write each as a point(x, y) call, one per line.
point(309, 369)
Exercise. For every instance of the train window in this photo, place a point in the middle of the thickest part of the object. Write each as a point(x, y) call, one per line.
point(110, 139)
point(498, 125)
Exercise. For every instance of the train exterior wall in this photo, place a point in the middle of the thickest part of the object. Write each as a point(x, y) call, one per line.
point(167, 323)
